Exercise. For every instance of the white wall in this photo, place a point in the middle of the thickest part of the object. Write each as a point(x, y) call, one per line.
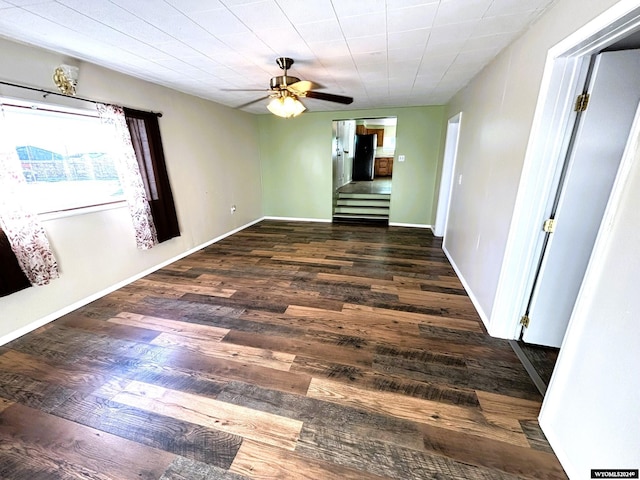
point(498, 108)
point(591, 413)
point(213, 160)
point(388, 141)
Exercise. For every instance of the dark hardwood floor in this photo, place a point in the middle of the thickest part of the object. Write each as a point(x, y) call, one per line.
point(286, 351)
point(543, 359)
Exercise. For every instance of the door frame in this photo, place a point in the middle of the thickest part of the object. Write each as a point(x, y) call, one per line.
point(607, 120)
point(545, 152)
point(446, 179)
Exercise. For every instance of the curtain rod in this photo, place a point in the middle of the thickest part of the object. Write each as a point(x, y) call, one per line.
point(49, 92)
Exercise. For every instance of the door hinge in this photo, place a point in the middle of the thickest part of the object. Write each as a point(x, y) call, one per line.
point(581, 102)
point(524, 321)
point(549, 225)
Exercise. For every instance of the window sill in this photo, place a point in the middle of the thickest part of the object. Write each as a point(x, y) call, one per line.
point(44, 217)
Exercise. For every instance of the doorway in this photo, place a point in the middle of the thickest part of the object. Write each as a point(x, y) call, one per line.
point(446, 179)
point(584, 187)
point(363, 152)
point(549, 144)
point(587, 175)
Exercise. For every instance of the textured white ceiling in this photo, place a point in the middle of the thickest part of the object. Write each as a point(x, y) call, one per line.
point(384, 53)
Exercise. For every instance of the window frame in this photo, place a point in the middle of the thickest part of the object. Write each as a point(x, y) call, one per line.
point(90, 207)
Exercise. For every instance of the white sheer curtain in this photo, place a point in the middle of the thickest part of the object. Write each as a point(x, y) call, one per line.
point(130, 177)
point(25, 233)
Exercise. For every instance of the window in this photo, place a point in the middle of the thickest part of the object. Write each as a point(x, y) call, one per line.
point(72, 159)
point(64, 156)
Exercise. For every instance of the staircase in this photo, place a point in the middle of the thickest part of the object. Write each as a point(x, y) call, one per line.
point(362, 207)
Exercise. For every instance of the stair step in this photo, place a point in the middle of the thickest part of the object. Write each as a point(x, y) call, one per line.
point(363, 202)
point(363, 210)
point(368, 196)
point(361, 218)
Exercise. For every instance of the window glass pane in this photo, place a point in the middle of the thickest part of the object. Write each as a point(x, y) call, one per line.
point(65, 159)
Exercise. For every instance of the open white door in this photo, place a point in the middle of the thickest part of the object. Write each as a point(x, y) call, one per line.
point(593, 164)
point(446, 180)
point(342, 151)
point(589, 410)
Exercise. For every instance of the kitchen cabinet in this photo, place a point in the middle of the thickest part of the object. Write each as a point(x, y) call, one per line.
point(384, 166)
point(362, 130)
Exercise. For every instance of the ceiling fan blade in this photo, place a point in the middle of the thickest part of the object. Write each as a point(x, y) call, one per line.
point(330, 97)
point(302, 86)
point(252, 102)
point(244, 90)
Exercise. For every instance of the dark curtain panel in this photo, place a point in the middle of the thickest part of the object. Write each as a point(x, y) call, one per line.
point(12, 278)
point(145, 136)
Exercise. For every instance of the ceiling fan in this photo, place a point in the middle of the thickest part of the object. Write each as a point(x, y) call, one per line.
point(285, 92)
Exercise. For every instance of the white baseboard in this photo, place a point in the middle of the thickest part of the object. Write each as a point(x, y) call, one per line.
point(296, 219)
point(81, 303)
point(411, 225)
point(433, 230)
point(474, 300)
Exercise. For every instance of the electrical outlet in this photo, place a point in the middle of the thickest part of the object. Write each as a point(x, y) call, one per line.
point(401, 158)
point(233, 209)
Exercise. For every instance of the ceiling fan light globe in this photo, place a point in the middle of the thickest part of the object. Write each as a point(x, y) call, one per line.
point(286, 107)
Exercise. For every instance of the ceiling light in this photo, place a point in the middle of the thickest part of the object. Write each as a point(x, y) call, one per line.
point(286, 106)
point(66, 79)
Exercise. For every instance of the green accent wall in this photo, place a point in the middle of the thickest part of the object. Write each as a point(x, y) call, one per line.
point(296, 163)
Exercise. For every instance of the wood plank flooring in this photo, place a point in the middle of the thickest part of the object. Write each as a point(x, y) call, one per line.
point(289, 350)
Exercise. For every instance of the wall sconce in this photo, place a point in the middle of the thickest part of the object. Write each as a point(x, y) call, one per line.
point(66, 78)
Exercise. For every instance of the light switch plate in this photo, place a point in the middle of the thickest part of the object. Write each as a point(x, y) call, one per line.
point(401, 158)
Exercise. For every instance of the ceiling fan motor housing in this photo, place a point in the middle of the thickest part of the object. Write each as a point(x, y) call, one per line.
point(280, 82)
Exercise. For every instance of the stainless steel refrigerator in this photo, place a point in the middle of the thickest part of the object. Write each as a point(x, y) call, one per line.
point(363, 160)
